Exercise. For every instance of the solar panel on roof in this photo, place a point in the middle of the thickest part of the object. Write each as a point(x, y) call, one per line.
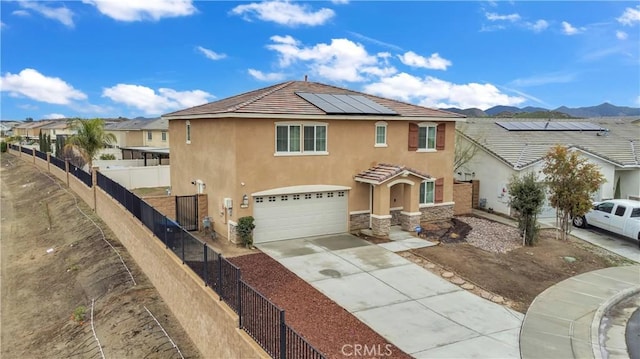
point(549, 126)
point(345, 104)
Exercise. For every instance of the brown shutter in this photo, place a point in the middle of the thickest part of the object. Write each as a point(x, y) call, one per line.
point(440, 136)
point(439, 196)
point(413, 137)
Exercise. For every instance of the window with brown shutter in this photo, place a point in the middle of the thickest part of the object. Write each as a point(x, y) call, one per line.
point(440, 136)
point(413, 137)
point(439, 195)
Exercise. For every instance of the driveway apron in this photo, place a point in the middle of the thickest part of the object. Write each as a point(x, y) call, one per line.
point(416, 310)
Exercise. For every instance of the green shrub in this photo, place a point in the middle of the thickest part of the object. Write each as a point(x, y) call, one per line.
point(107, 156)
point(245, 230)
point(3, 146)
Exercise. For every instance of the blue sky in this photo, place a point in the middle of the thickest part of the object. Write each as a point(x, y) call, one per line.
point(110, 58)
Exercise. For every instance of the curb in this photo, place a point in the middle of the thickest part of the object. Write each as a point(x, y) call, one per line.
point(597, 317)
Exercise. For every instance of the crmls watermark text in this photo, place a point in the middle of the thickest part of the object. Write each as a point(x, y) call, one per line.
point(367, 350)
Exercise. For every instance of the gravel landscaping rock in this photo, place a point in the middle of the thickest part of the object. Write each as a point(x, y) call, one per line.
point(491, 236)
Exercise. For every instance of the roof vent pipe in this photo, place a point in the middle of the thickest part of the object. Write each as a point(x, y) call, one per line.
point(305, 78)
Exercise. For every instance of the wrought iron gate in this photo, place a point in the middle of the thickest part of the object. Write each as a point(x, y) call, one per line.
point(187, 212)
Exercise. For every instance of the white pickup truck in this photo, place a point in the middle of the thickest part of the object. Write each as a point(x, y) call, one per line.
point(621, 216)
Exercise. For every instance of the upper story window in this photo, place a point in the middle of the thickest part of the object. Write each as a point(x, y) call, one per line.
point(188, 131)
point(164, 136)
point(427, 192)
point(301, 138)
point(426, 137)
point(381, 134)
point(149, 136)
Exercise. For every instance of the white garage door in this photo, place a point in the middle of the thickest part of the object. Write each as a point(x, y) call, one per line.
point(286, 216)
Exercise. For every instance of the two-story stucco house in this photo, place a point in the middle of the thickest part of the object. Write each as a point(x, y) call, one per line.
point(307, 159)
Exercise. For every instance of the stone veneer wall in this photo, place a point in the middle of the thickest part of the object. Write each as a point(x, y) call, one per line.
point(395, 217)
point(233, 233)
point(163, 204)
point(409, 222)
point(436, 213)
point(358, 221)
point(381, 226)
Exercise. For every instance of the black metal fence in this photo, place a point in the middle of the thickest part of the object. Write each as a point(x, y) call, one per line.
point(41, 155)
point(57, 162)
point(14, 147)
point(262, 320)
point(81, 175)
point(258, 316)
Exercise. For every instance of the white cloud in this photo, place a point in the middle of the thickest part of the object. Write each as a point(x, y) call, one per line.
point(210, 54)
point(434, 62)
point(491, 16)
point(270, 77)
point(139, 10)
point(32, 84)
point(21, 13)
point(545, 79)
point(53, 116)
point(340, 2)
point(341, 60)
point(433, 92)
point(568, 29)
point(62, 14)
point(152, 103)
point(621, 35)
point(538, 26)
point(630, 16)
point(284, 13)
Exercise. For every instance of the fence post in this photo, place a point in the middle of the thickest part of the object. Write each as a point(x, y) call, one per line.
point(206, 263)
point(94, 184)
point(49, 162)
point(283, 336)
point(164, 233)
point(182, 232)
point(33, 153)
point(66, 169)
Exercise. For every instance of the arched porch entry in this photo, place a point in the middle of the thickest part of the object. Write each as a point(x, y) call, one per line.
point(396, 188)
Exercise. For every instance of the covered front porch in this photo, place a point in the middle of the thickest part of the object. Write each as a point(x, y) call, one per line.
point(394, 197)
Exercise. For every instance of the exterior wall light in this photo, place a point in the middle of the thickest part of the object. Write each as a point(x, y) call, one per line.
point(245, 201)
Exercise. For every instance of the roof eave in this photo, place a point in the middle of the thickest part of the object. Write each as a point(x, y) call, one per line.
point(315, 117)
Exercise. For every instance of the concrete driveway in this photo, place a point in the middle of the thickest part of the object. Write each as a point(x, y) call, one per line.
point(416, 310)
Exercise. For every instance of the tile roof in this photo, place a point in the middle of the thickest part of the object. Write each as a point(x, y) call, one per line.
point(282, 99)
point(384, 172)
point(519, 149)
point(126, 125)
point(157, 124)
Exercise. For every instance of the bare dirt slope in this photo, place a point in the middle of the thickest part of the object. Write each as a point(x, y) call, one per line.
point(60, 268)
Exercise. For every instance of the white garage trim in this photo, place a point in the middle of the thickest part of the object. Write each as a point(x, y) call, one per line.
point(288, 214)
point(300, 189)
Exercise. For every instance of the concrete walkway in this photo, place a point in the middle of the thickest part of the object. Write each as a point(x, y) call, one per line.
point(416, 310)
point(566, 320)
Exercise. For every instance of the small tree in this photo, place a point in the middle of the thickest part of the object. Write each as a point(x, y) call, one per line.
point(90, 137)
point(245, 230)
point(526, 196)
point(571, 180)
point(464, 150)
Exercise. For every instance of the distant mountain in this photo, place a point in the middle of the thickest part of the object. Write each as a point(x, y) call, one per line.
point(603, 110)
point(470, 112)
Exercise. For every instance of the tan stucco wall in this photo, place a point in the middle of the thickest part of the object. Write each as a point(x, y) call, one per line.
point(462, 195)
point(156, 139)
point(227, 153)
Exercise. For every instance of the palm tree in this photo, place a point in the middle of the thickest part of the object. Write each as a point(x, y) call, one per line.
point(89, 138)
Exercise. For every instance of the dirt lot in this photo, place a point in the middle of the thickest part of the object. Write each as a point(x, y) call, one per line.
point(518, 275)
point(69, 288)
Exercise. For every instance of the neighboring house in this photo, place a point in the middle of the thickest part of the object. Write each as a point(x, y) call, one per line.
point(156, 133)
point(515, 146)
point(142, 139)
point(30, 130)
point(308, 159)
point(58, 127)
point(6, 128)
